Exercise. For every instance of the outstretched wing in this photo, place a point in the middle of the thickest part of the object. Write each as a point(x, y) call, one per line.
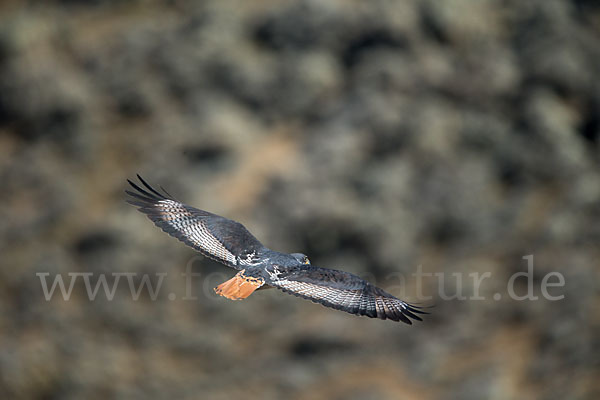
point(342, 291)
point(219, 238)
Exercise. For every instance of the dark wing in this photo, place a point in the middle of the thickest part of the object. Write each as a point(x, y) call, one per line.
point(342, 291)
point(216, 237)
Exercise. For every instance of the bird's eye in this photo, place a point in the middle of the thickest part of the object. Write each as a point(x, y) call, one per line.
point(306, 260)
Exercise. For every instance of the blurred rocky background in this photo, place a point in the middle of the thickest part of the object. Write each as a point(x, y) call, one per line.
point(377, 137)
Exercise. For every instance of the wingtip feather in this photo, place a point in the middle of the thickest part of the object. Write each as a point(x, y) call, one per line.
point(150, 188)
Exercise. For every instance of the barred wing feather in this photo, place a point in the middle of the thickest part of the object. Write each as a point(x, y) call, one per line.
point(343, 291)
point(219, 238)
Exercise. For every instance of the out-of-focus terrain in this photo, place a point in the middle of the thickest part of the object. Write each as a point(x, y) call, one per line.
point(377, 137)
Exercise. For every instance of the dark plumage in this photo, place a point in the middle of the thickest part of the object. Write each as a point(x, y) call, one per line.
point(230, 243)
point(216, 237)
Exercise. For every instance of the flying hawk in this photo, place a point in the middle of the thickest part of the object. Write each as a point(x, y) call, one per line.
point(230, 243)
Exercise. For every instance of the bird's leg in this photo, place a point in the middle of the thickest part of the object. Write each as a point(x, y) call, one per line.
point(239, 287)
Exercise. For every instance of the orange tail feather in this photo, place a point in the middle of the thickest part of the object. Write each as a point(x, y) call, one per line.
point(239, 287)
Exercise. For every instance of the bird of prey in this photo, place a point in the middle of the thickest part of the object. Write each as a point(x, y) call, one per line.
point(230, 243)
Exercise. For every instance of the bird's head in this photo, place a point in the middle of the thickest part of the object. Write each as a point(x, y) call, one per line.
point(302, 259)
